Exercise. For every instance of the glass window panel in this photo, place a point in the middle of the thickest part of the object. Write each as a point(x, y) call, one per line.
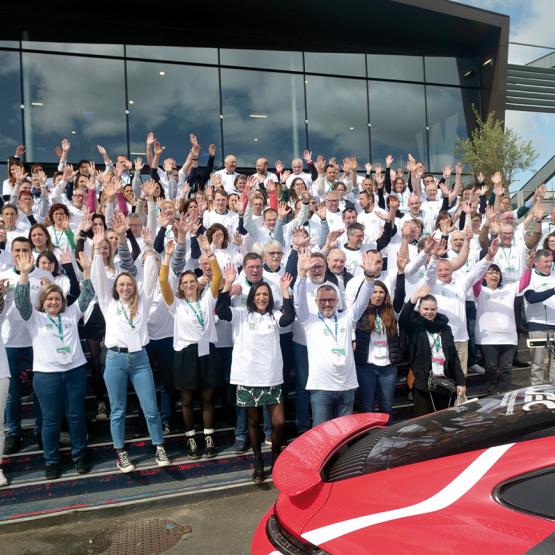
point(75, 48)
point(75, 98)
point(337, 117)
point(263, 115)
point(10, 102)
point(404, 68)
point(398, 121)
point(269, 59)
point(183, 100)
point(9, 43)
point(452, 71)
point(449, 115)
point(335, 64)
point(173, 53)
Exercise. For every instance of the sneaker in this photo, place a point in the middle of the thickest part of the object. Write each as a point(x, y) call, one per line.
point(123, 462)
point(3, 480)
point(82, 466)
point(258, 474)
point(268, 440)
point(477, 369)
point(52, 471)
point(192, 449)
point(101, 411)
point(166, 429)
point(240, 446)
point(161, 457)
point(12, 445)
point(209, 447)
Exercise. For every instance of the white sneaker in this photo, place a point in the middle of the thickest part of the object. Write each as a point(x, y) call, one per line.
point(123, 462)
point(3, 480)
point(477, 369)
point(102, 411)
point(161, 456)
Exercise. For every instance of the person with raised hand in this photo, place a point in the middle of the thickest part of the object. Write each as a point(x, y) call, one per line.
point(59, 368)
point(4, 377)
point(332, 378)
point(257, 365)
point(195, 363)
point(126, 309)
point(431, 352)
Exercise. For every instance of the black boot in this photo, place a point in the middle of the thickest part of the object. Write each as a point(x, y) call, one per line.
point(258, 474)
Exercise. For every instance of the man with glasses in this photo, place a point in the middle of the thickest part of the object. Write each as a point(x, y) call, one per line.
point(332, 379)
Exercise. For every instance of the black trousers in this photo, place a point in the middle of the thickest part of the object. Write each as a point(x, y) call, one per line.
point(423, 402)
point(498, 362)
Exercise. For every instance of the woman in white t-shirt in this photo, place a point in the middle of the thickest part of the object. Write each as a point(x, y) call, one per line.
point(59, 373)
point(126, 311)
point(195, 364)
point(495, 329)
point(257, 366)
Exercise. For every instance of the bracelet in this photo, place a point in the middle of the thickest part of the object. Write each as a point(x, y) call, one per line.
point(194, 159)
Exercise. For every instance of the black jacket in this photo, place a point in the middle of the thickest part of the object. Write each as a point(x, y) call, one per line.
point(419, 352)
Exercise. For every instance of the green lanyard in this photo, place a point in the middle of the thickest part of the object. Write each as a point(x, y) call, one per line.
point(436, 344)
point(197, 311)
point(59, 325)
point(57, 238)
point(507, 258)
point(121, 310)
point(334, 335)
point(378, 328)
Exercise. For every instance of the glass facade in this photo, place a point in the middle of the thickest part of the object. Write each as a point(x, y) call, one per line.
point(247, 102)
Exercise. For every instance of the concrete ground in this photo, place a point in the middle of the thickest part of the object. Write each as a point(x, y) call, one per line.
point(223, 524)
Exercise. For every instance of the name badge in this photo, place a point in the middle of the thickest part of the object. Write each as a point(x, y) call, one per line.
point(338, 357)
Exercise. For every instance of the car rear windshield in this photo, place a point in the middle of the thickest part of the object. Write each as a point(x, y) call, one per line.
point(513, 416)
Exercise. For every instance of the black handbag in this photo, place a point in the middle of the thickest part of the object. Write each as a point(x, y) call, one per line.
point(441, 385)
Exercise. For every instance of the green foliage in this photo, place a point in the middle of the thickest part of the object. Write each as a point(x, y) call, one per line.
point(490, 148)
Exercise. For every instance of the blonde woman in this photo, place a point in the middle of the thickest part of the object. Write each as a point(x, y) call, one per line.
point(126, 311)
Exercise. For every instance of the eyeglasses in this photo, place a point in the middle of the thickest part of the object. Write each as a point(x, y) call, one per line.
point(327, 301)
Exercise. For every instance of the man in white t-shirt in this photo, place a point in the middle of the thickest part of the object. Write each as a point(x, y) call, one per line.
point(332, 378)
point(18, 343)
point(228, 174)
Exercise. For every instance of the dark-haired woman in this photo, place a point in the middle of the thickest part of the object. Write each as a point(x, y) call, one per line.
point(431, 351)
point(40, 237)
point(67, 281)
point(377, 352)
point(60, 232)
point(495, 330)
point(195, 365)
point(59, 374)
point(257, 366)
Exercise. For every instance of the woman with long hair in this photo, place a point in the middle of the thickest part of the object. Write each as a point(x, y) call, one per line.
point(257, 365)
point(40, 237)
point(195, 364)
point(59, 373)
point(126, 311)
point(377, 352)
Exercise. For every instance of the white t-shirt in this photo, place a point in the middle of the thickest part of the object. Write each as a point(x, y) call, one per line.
point(228, 180)
point(540, 313)
point(495, 316)
point(256, 360)
point(54, 351)
point(14, 331)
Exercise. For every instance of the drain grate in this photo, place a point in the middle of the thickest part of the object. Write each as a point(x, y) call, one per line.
point(145, 537)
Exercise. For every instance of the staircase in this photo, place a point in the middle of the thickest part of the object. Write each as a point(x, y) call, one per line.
point(29, 496)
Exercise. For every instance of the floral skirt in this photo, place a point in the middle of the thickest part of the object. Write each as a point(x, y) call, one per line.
point(259, 396)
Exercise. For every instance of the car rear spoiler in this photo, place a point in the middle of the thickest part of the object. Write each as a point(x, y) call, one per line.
point(298, 469)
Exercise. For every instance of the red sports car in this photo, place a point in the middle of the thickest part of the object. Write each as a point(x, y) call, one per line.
point(475, 479)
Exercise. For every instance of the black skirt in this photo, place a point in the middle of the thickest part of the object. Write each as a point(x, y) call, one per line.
point(196, 373)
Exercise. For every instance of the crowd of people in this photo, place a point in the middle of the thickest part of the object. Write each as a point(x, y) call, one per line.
point(331, 279)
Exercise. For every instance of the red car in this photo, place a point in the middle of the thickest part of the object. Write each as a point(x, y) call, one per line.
point(475, 479)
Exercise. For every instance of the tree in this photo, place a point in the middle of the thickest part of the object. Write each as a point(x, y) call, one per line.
point(490, 148)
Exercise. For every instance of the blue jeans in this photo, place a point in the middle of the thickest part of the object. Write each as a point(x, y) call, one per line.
point(327, 405)
point(59, 392)
point(121, 367)
point(302, 398)
point(376, 383)
point(162, 351)
point(19, 359)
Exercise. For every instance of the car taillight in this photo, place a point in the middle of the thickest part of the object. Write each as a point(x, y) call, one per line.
point(287, 543)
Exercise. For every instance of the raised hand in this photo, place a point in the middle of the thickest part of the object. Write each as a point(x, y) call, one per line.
point(320, 163)
point(369, 260)
point(307, 156)
point(368, 167)
point(229, 274)
point(20, 151)
point(98, 238)
point(279, 166)
point(170, 248)
point(66, 145)
point(148, 238)
point(458, 168)
point(305, 262)
point(91, 169)
point(284, 175)
point(285, 282)
point(492, 250)
point(402, 260)
point(85, 262)
point(86, 220)
point(237, 239)
point(193, 139)
point(447, 171)
point(158, 148)
point(211, 150)
point(283, 210)
point(24, 262)
point(204, 243)
point(101, 150)
point(322, 210)
point(150, 138)
point(139, 164)
point(118, 223)
point(421, 292)
point(389, 160)
point(148, 189)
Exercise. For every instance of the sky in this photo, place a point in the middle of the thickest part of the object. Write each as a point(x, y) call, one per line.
point(531, 23)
